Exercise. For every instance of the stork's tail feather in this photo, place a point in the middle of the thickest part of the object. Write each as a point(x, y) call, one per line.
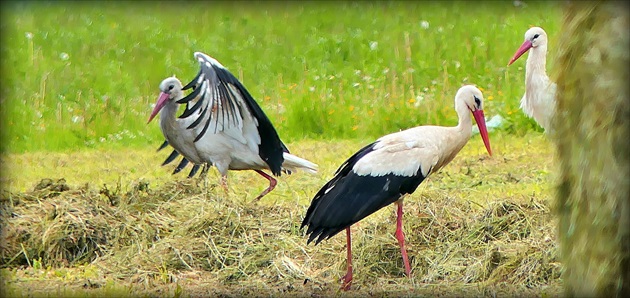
point(292, 162)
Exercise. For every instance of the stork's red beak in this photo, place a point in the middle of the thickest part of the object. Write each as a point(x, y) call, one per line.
point(162, 100)
point(524, 48)
point(481, 123)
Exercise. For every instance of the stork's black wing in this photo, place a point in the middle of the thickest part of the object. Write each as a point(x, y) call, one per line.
point(348, 197)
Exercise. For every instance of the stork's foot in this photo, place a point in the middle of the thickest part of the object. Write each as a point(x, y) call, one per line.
point(347, 281)
point(224, 184)
point(262, 194)
point(272, 185)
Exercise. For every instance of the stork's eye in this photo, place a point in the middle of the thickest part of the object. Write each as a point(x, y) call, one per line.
point(536, 36)
point(477, 101)
point(170, 87)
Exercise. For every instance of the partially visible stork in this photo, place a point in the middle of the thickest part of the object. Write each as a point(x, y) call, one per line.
point(184, 162)
point(225, 126)
point(180, 139)
point(383, 172)
point(539, 100)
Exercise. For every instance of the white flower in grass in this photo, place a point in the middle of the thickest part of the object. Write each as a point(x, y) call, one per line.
point(424, 24)
point(519, 4)
point(128, 133)
point(28, 35)
point(373, 45)
point(64, 56)
point(77, 119)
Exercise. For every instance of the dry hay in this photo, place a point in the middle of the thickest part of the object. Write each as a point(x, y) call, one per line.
point(54, 224)
point(451, 241)
point(179, 232)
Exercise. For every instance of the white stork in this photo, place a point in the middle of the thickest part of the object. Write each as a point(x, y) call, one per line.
point(180, 139)
point(224, 127)
point(383, 172)
point(184, 162)
point(539, 101)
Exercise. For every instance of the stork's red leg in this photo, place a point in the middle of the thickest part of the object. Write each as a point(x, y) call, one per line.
point(204, 170)
point(401, 237)
point(204, 173)
point(347, 279)
point(224, 183)
point(272, 184)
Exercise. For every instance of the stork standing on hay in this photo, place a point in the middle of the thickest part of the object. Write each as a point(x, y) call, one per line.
point(224, 127)
point(383, 172)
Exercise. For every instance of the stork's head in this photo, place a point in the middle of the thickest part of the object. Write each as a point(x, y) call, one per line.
point(534, 37)
point(472, 98)
point(170, 89)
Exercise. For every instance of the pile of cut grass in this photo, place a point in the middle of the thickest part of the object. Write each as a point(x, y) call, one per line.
point(192, 237)
point(55, 225)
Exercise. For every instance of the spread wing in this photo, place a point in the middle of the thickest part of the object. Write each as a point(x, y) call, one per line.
point(224, 105)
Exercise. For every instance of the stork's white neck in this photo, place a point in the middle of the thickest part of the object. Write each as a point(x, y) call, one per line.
point(168, 118)
point(539, 99)
point(454, 138)
point(536, 63)
point(464, 125)
point(465, 120)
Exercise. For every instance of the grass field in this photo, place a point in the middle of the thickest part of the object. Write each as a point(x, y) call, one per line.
point(87, 210)
point(86, 75)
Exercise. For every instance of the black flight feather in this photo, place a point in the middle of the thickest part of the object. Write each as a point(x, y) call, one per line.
point(171, 157)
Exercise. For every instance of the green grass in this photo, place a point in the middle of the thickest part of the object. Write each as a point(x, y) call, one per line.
point(79, 75)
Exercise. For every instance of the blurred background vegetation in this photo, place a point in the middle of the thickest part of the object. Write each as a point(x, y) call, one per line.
point(591, 142)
